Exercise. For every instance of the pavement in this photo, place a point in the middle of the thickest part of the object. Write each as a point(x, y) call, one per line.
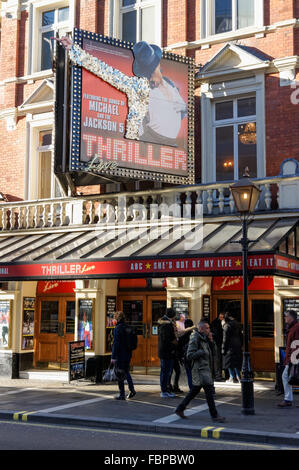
point(84, 403)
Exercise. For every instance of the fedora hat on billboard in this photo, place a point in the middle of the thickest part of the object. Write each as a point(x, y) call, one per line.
point(146, 59)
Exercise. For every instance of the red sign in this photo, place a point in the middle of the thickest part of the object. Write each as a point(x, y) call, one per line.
point(56, 287)
point(287, 264)
point(233, 283)
point(121, 268)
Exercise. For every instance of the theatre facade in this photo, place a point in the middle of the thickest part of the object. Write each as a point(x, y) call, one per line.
point(62, 278)
point(97, 214)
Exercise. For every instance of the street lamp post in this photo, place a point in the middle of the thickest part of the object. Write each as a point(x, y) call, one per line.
point(245, 195)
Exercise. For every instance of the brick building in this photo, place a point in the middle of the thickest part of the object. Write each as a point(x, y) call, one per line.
point(246, 114)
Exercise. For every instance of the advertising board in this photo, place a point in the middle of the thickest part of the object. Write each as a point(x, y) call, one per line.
point(132, 111)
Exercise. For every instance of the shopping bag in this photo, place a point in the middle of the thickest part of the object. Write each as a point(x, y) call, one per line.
point(109, 375)
point(293, 374)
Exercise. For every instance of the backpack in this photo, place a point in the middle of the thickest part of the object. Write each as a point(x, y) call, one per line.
point(131, 338)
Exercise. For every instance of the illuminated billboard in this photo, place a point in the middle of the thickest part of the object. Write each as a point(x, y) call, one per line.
point(132, 111)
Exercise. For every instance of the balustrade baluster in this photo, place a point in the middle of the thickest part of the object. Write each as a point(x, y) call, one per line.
point(210, 201)
point(221, 200)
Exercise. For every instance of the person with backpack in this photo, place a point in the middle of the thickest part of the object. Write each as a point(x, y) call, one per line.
point(124, 342)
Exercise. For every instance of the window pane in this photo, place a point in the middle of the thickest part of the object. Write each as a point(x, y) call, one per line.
point(48, 17)
point(245, 13)
point(46, 61)
point(223, 16)
point(128, 2)
point(45, 170)
point(247, 107)
point(49, 316)
point(262, 318)
point(134, 314)
point(63, 14)
point(45, 138)
point(247, 148)
point(148, 24)
point(70, 316)
point(129, 26)
point(225, 153)
point(224, 110)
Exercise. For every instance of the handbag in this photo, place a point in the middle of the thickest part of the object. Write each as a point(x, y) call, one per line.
point(293, 378)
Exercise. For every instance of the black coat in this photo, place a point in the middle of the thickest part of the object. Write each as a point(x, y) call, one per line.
point(232, 345)
point(167, 344)
point(120, 351)
point(217, 330)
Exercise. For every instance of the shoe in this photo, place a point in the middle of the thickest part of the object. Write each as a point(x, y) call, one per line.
point(177, 390)
point(181, 414)
point(230, 381)
point(167, 395)
point(285, 404)
point(219, 419)
point(131, 394)
point(120, 397)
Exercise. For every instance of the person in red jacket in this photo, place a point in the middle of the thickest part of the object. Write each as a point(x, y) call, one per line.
point(291, 346)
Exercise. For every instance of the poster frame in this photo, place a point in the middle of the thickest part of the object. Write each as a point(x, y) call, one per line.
point(10, 301)
point(118, 173)
point(92, 321)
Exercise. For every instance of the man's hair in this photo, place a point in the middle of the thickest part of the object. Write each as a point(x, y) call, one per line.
point(120, 316)
point(292, 314)
point(201, 323)
point(170, 313)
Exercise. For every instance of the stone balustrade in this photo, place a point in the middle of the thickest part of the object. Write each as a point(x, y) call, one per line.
point(142, 206)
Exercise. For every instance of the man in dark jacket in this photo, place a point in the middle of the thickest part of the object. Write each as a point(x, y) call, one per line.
point(232, 348)
point(200, 353)
point(217, 331)
point(291, 347)
point(121, 356)
point(167, 344)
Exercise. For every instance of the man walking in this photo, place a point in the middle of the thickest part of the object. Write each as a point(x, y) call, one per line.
point(167, 344)
point(292, 343)
point(121, 355)
point(200, 354)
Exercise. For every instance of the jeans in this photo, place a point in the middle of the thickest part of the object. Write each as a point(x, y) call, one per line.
point(121, 383)
point(232, 373)
point(288, 390)
point(165, 374)
point(209, 397)
point(177, 370)
point(189, 376)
